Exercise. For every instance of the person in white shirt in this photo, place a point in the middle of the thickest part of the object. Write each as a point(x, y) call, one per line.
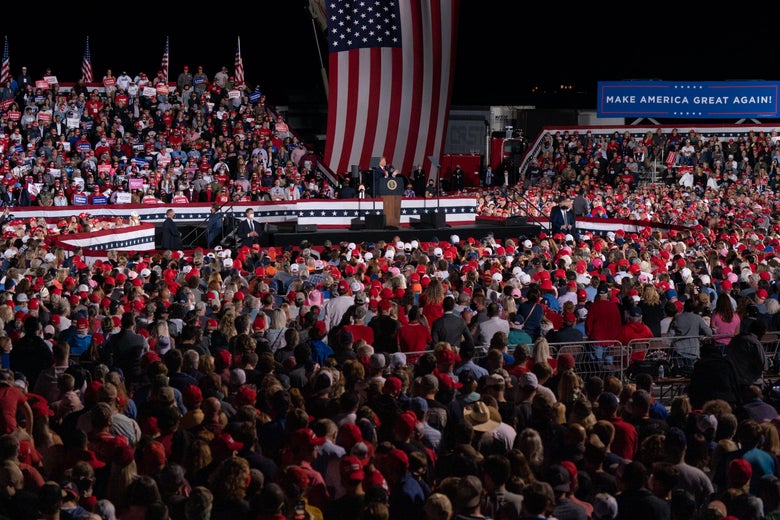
point(123, 81)
point(277, 192)
point(494, 323)
point(686, 180)
point(335, 308)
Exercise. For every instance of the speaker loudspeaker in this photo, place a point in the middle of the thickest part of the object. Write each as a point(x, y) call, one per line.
point(355, 170)
point(305, 228)
point(436, 219)
point(376, 221)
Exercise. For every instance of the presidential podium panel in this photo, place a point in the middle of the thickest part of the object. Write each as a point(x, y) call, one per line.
point(391, 191)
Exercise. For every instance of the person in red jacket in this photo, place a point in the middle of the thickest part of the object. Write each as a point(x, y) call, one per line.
point(626, 441)
point(415, 336)
point(603, 322)
point(634, 328)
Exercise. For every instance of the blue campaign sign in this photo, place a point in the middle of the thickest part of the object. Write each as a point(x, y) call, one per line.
point(688, 99)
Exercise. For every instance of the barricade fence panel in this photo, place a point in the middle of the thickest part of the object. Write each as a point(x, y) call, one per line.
point(605, 358)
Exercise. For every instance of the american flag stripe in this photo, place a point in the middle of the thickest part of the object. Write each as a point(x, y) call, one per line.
point(389, 96)
point(86, 64)
point(165, 58)
point(239, 64)
point(5, 68)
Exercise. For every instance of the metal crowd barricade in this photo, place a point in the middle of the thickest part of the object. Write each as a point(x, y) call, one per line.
point(771, 343)
point(643, 349)
point(595, 358)
point(662, 348)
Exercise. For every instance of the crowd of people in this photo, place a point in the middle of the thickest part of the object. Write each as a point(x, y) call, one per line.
point(202, 141)
point(385, 379)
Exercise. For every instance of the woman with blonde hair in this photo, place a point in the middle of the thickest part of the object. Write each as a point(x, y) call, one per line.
point(541, 352)
point(122, 473)
point(679, 411)
point(221, 337)
point(229, 483)
point(508, 304)
point(570, 388)
point(771, 438)
point(214, 282)
point(529, 442)
point(198, 456)
point(6, 313)
point(581, 412)
point(277, 326)
point(652, 308)
point(206, 364)
point(520, 466)
point(559, 412)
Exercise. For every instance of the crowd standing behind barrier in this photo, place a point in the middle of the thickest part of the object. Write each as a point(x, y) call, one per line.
point(459, 376)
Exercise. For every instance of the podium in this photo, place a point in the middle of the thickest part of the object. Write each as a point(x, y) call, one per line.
point(391, 190)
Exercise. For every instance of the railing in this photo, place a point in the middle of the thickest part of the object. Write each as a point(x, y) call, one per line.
point(595, 358)
point(603, 358)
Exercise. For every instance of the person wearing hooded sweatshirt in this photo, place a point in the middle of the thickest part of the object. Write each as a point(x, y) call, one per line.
point(635, 328)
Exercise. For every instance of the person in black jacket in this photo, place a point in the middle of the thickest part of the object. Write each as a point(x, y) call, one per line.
point(562, 217)
point(171, 236)
point(125, 349)
point(746, 353)
point(249, 230)
point(637, 501)
point(451, 327)
point(30, 354)
point(713, 377)
point(214, 226)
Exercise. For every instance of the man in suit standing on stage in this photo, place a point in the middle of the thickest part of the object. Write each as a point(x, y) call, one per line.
point(249, 230)
point(380, 172)
point(562, 217)
point(458, 178)
point(419, 178)
point(171, 236)
point(214, 226)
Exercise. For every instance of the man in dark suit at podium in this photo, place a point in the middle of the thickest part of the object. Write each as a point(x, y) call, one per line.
point(248, 229)
point(380, 172)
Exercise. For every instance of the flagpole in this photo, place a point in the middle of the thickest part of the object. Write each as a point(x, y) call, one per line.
point(323, 72)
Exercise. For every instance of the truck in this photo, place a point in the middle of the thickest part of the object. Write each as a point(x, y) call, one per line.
point(507, 149)
point(478, 138)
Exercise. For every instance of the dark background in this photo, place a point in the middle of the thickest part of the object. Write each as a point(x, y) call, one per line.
point(509, 53)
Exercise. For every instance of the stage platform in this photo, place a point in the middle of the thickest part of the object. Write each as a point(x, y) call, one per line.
point(478, 231)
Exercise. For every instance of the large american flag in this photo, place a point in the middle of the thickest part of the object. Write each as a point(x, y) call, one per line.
point(239, 63)
point(86, 65)
point(391, 66)
point(5, 68)
point(164, 65)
